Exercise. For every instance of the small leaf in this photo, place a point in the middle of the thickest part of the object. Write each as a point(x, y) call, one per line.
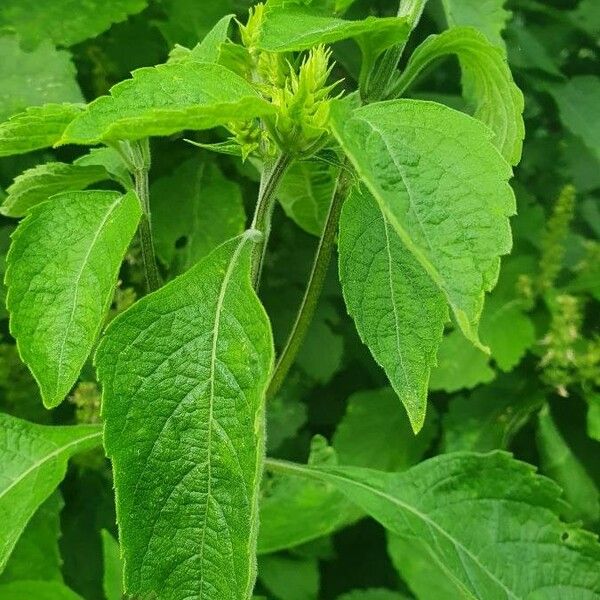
point(194, 210)
point(475, 517)
point(442, 187)
point(37, 127)
point(62, 271)
point(487, 83)
point(306, 192)
point(208, 50)
point(112, 581)
point(460, 365)
point(40, 590)
point(488, 16)
point(293, 28)
point(34, 461)
point(44, 76)
point(166, 99)
point(290, 578)
point(187, 473)
point(111, 161)
point(65, 22)
point(559, 462)
point(40, 183)
point(36, 556)
point(398, 310)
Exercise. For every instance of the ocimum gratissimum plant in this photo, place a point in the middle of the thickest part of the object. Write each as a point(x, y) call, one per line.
point(419, 213)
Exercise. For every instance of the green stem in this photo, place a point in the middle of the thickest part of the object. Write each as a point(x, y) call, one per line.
point(271, 177)
point(314, 286)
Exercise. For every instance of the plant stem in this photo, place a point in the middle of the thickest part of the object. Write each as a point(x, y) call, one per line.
point(137, 156)
point(314, 286)
point(271, 177)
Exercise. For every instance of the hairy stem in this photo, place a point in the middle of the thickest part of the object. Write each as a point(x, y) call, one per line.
point(271, 177)
point(137, 155)
point(314, 286)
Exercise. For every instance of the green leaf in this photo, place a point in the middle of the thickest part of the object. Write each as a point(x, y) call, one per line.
point(577, 101)
point(293, 28)
point(488, 86)
point(375, 433)
point(436, 175)
point(491, 416)
point(488, 16)
point(460, 365)
point(306, 192)
point(209, 49)
point(65, 22)
point(194, 210)
point(40, 590)
point(40, 183)
point(477, 517)
point(113, 567)
point(166, 99)
point(111, 161)
point(559, 462)
point(62, 271)
point(593, 416)
point(187, 473)
point(34, 78)
point(34, 461)
point(398, 310)
point(290, 578)
point(36, 556)
point(37, 127)
point(373, 594)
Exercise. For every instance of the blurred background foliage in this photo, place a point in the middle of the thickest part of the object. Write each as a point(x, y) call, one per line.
point(538, 394)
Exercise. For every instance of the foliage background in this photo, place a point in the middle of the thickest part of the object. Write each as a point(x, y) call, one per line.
point(537, 395)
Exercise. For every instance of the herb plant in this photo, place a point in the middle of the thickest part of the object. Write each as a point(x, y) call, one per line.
point(249, 398)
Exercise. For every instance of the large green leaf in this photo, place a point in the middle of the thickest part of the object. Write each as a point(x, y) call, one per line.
point(487, 82)
point(36, 185)
point(36, 556)
point(65, 22)
point(194, 210)
point(62, 271)
point(398, 310)
point(165, 99)
point(32, 78)
point(36, 127)
point(481, 519)
point(292, 28)
point(488, 16)
point(442, 187)
point(187, 473)
point(34, 461)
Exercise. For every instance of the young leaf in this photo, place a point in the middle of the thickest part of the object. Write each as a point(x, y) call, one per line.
point(187, 473)
point(305, 194)
point(398, 310)
point(487, 83)
point(62, 271)
point(36, 556)
point(290, 578)
point(292, 28)
point(40, 590)
point(460, 365)
point(559, 462)
point(37, 127)
point(165, 99)
point(65, 22)
point(34, 461)
point(512, 513)
point(442, 187)
point(38, 184)
point(34, 78)
point(488, 16)
point(209, 48)
point(112, 582)
point(194, 210)
point(111, 161)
